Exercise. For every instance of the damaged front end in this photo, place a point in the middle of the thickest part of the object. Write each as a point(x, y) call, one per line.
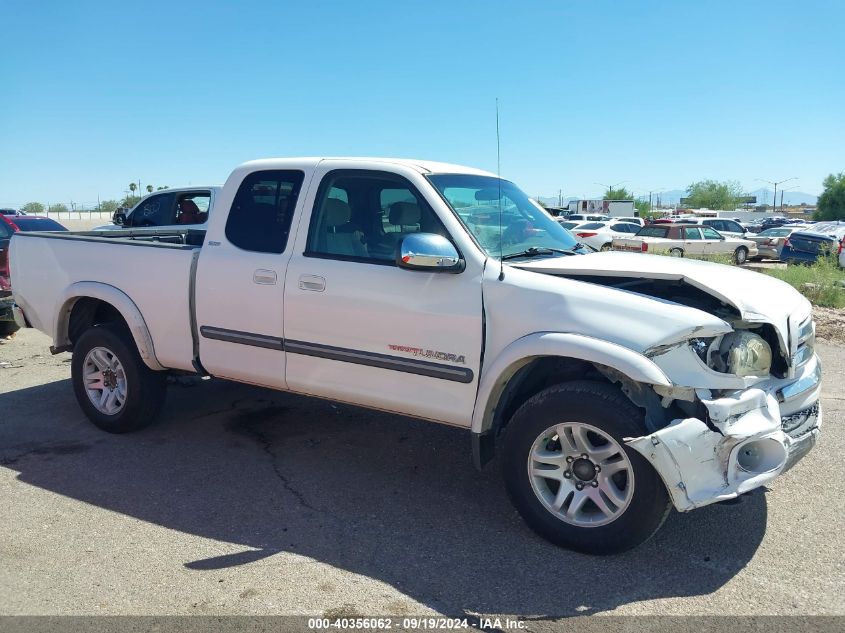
point(745, 430)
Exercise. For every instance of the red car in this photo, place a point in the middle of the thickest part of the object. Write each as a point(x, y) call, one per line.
point(10, 224)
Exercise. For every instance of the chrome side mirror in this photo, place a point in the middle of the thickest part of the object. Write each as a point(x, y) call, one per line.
point(428, 251)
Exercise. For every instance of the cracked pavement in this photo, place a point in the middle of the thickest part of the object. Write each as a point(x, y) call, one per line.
point(240, 500)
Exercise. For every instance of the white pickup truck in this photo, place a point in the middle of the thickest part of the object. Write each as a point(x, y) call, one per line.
point(611, 385)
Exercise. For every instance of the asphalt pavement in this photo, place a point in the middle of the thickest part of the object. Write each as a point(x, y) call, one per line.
point(241, 500)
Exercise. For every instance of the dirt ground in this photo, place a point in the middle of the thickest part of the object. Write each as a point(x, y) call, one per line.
point(830, 324)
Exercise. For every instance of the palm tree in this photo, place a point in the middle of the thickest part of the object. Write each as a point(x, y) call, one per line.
point(132, 187)
point(149, 188)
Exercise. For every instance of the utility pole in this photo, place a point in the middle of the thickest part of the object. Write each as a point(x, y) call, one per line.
point(560, 197)
point(776, 183)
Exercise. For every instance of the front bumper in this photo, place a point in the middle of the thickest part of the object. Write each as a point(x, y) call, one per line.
point(749, 438)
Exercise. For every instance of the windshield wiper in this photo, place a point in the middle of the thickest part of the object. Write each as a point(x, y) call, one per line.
point(536, 251)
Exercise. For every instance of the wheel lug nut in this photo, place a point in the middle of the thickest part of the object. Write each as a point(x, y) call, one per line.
point(584, 456)
point(570, 459)
point(598, 468)
point(594, 484)
point(567, 474)
point(579, 485)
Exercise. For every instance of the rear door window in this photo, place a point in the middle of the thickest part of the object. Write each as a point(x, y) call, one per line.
point(710, 234)
point(261, 213)
point(692, 233)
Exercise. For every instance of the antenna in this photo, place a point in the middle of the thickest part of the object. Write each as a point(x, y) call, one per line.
point(499, 179)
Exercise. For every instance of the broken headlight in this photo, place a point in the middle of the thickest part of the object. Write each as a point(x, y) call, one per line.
point(745, 354)
point(742, 353)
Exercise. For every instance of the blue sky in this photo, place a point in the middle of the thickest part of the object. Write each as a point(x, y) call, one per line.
point(658, 94)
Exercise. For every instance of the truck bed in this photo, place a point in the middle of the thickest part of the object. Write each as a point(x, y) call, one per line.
point(161, 263)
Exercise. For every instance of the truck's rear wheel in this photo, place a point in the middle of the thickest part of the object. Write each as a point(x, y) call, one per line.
point(113, 386)
point(570, 475)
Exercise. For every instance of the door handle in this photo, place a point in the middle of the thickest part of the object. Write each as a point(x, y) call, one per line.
point(312, 282)
point(264, 277)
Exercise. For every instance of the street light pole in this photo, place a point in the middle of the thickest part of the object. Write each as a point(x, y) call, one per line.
point(610, 187)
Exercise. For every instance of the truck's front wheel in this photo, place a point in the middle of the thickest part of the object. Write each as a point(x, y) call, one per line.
point(113, 386)
point(570, 475)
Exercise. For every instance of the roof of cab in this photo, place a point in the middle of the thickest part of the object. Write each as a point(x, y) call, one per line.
point(422, 166)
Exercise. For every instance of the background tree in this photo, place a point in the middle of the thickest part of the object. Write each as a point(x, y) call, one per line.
point(642, 207)
point(160, 188)
point(831, 204)
point(33, 207)
point(711, 194)
point(617, 194)
point(109, 206)
point(129, 201)
point(57, 208)
point(149, 188)
point(132, 187)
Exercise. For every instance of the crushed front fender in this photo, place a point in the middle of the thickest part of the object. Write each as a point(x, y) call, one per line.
point(741, 447)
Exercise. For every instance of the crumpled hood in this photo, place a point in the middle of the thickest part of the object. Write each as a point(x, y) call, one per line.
point(758, 298)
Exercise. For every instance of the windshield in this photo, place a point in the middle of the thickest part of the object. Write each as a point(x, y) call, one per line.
point(478, 200)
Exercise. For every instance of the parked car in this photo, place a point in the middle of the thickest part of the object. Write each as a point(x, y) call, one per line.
point(612, 385)
point(631, 220)
point(32, 223)
point(11, 212)
point(600, 235)
point(7, 321)
point(9, 225)
point(728, 228)
point(588, 217)
point(687, 239)
point(169, 209)
point(772, 222)
point(770, 242)
point(805, 246)
point(558, 212)
point(569, 224)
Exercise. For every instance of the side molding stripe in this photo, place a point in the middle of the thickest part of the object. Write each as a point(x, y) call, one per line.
point(243, 338)
point(329, 352)
point(382, 361)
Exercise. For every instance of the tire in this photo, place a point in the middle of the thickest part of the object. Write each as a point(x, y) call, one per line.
point(139, 391)
point(607, 247)
point(740, 256)
point(676, 252)
point(7, 328)
point(590, 530)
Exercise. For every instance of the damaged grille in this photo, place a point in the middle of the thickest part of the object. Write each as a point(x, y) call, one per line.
point(800, 422)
